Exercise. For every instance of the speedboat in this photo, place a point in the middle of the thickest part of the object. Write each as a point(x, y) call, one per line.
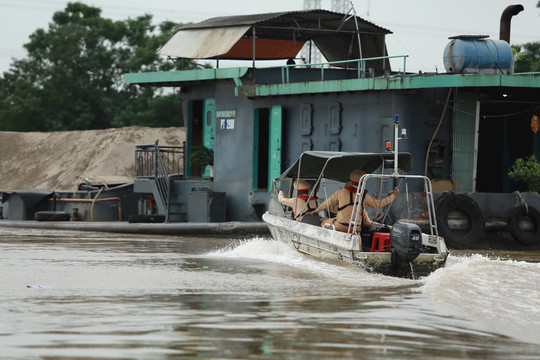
point(398, 249)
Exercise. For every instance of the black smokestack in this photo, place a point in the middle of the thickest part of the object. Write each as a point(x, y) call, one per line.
point(506, 18)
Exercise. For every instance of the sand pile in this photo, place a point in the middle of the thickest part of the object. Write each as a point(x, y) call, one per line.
point(58, 160)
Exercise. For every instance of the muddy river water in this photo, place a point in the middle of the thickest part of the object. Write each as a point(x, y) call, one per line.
point(69, 295)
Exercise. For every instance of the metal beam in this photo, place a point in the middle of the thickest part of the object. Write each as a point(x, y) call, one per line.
point(391, 83)
point(165, 78)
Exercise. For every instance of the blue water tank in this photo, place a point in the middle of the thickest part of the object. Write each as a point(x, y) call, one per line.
point(477, 54)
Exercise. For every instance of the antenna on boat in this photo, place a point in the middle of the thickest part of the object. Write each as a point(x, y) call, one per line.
point(396, 142)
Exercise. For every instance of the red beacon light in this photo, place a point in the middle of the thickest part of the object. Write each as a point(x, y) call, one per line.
point(388, 146)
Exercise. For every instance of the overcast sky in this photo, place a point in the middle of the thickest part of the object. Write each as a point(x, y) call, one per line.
point(420, 27)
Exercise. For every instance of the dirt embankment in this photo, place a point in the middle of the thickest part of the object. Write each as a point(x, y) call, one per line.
point(58, 160)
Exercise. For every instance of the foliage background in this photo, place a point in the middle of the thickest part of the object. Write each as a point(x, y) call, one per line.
point(528, 55)
point(72, 78)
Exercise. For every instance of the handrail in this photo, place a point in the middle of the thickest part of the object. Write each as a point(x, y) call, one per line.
point(162, 182)
point(361, 65)
point(173, 158)
point(149, 163)
point(357, 212)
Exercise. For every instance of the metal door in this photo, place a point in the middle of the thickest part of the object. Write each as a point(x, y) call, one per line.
point(256, 149)
point(209, 112)
point(274, 148)
point(209, 116)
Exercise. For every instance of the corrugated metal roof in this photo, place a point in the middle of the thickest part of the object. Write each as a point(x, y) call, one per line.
point(308, 19)
point(335, 34)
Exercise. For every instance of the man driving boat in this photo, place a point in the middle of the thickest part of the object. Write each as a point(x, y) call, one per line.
point(342, 201)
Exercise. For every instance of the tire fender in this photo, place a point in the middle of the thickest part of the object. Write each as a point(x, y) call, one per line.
point(470, 208)
point(52, 216)
point(514, 228)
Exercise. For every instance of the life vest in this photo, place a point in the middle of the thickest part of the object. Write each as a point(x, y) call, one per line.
point(306, 198)
point(351, 202)
point(351, 190)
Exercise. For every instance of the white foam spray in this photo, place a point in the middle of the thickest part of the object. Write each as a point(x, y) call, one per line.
point(504, 294)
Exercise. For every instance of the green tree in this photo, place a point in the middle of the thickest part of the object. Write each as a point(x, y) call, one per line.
point(526, 170)
point(527, 56)
point(72, 77)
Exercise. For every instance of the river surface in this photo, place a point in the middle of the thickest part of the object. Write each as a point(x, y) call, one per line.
point(69, 295)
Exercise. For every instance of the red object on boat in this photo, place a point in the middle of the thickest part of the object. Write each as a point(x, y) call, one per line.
point(381, 242)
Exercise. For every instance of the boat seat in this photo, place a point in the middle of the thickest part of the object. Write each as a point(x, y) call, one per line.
point(366, 242)
point(312, 220)
point(381, 242)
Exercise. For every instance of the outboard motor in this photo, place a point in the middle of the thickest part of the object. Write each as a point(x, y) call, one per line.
point(406, 239)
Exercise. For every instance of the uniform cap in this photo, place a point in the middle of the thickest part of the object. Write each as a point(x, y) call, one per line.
point(356, 175)
point(301, 185)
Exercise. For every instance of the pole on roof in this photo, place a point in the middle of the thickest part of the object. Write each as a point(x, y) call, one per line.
point(253, 46)
point(344, 20)
point(385, 54)
point(357, 30)
point(310, 44)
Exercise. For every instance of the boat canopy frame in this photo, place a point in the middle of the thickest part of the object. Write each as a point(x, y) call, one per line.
point(339, 165)
point(356, 218)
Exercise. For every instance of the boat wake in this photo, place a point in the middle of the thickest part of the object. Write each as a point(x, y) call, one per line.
point(500, 293)
point(270, 250)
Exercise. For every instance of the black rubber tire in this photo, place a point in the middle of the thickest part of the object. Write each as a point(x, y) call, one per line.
point(524, 237)
point(52, 216)
point(156, 218)
point(450, 202)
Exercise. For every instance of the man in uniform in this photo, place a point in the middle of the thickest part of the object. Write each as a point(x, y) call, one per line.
point(298, 203)
point(343, 199)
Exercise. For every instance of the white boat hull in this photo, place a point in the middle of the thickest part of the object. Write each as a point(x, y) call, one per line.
point(331, 245)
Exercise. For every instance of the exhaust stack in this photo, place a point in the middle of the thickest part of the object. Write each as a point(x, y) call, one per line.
point(506, 18)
